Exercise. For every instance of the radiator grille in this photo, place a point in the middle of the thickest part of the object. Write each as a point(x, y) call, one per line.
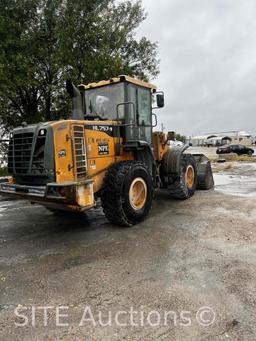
point(26, 154)
point(79, 150)
point(38, 165)
point(22, 147)
point(10, 156)
point(31, 155)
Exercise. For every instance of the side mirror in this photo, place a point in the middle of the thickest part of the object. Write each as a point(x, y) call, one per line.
point(160, 100)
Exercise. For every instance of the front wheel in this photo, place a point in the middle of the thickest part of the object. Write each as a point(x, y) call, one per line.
point(127, 193)
point(185, 185)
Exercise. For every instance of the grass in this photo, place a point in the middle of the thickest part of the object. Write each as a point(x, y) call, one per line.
point(228, 166)
point(222, 167)
point(238, 158)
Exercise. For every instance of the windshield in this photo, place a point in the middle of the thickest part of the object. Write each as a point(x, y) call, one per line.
point(103, 101)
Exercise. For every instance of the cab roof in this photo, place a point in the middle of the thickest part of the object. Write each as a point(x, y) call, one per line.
point(118, 79)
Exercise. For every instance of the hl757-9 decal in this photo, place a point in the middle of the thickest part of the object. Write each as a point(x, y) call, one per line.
point(107, 129)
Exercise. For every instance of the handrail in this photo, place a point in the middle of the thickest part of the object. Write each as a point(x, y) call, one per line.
point(134, 113)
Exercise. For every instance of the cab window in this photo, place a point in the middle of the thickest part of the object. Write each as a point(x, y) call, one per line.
point(144, 107)
point(103, 101)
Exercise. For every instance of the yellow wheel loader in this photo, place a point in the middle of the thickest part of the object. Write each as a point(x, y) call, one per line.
point(108, 150)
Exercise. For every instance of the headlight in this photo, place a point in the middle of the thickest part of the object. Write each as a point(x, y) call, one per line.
point(42, 132)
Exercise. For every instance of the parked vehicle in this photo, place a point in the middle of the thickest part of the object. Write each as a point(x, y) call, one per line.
point(235, 148)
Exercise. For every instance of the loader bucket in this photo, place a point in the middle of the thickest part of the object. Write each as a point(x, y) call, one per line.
point(204, 172)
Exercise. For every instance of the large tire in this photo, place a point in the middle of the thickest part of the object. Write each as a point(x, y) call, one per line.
point(204, 176)
point(127, 193)
point(204, 172)
point(181, 188)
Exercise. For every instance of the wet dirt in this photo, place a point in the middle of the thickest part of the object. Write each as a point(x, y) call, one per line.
point(186, 255)
point(236, 179)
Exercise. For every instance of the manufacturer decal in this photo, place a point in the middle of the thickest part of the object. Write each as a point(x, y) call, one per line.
point(105, 129)
point(103, 148)
point(110, 130)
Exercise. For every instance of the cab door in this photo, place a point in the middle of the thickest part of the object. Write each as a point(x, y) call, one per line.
point(138, 115)
point(144, 114)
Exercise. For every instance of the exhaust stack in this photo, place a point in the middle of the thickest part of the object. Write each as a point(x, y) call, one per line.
point(77, 106)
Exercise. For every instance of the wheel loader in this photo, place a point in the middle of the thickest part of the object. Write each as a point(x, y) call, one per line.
point(106, 151)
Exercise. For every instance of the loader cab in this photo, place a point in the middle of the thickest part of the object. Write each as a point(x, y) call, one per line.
point(123, 99)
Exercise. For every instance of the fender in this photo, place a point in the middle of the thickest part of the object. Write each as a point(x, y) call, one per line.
point(143, 152)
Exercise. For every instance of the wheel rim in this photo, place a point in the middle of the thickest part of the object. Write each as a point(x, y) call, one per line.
point(190, 176)
point(138, 193)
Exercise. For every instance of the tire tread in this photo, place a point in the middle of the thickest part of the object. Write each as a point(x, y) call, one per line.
point(111, 193)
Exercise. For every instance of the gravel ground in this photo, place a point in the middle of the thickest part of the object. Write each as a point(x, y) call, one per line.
point(187, 255)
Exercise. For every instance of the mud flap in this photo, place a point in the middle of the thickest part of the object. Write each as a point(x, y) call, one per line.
point(204, 172)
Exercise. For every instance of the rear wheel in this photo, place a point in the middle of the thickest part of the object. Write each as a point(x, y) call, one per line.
point(127, 193)
point(250, 153)
point(185, 186)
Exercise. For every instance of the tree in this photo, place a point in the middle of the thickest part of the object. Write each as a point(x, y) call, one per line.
point(181, 138)
point(43, 42)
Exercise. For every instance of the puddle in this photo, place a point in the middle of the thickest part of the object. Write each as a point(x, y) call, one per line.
point(2, 209)
point(7, 205)
point(233, 184)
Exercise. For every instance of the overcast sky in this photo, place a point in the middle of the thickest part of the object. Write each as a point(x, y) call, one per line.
point(208, 63)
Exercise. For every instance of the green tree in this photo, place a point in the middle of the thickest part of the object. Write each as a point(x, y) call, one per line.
point(181, 138)
point(43, 42)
